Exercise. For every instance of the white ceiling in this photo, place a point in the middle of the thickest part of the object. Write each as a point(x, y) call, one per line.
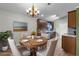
point(59, 9)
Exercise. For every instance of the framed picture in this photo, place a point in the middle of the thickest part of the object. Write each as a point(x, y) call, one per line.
point(19, 26)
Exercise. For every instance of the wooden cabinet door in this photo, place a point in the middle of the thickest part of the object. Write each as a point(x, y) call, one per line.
point(72, 19)
point(69, 44)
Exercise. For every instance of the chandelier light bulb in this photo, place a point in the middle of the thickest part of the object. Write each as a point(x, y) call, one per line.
point(31, 13)
point(27, 11)
point(38, 12)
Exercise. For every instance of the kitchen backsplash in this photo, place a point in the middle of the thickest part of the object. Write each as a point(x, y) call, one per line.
point(72, 31)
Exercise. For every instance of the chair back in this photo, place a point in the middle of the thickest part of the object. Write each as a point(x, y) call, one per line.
point(45, 35)
point(51, 47)
point(14, 49)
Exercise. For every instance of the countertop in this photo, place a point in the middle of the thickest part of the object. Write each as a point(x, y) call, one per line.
point(69, 35)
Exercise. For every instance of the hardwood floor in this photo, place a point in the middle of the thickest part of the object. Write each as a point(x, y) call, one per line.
point(5, 53)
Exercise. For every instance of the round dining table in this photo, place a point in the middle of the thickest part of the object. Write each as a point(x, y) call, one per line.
point(33, 44)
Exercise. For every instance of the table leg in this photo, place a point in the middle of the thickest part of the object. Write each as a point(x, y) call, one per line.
point(33, 52)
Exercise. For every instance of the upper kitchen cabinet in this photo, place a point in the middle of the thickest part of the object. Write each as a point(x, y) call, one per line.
point(72, 19)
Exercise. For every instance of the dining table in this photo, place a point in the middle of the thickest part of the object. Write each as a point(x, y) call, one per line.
point(33, 44)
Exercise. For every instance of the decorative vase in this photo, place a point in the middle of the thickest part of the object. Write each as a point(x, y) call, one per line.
point(4, 48)
point(32, 36)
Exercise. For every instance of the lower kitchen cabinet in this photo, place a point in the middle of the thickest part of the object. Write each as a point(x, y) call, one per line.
point(69, 44)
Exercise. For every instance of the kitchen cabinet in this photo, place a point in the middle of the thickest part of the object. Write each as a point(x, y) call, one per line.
point(72, 19)
point(69, 44)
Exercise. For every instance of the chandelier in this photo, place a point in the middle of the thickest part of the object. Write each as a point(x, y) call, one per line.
point(33, 11)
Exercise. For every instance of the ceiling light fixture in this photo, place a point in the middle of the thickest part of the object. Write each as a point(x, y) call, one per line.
point(53, 17)
point(42, 15)
point(33, 11)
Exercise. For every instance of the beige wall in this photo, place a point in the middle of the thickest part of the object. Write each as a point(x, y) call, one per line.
point(61, 25)
point(6, 23)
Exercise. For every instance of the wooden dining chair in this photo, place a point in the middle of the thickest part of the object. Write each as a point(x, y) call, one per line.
point(14, 49)
point(51, 45)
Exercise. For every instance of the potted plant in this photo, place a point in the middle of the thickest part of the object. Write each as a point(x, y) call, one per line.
point(3, 40)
